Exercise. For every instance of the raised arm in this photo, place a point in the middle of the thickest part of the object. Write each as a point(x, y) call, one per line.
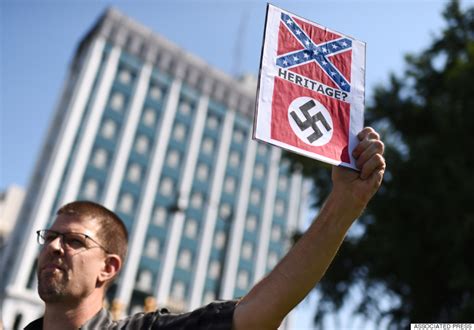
point(270, 300)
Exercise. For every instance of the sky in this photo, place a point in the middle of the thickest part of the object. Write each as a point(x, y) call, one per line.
point(38, 39)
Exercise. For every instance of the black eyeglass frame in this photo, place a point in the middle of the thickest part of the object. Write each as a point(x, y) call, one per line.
point(42, 232)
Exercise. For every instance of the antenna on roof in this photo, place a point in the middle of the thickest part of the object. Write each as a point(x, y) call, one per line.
point(239, 43)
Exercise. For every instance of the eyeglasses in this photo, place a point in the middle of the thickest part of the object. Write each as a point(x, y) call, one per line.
point(71, 240)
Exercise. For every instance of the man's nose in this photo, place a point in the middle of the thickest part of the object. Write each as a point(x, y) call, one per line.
point(55, 246)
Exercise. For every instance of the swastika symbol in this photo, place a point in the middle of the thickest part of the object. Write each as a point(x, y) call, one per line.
point(311, 120)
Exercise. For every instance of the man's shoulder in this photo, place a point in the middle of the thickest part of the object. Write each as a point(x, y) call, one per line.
point(217, 315)
point(35, 325)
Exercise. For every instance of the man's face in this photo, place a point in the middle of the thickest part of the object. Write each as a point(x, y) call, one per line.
point(68, 272)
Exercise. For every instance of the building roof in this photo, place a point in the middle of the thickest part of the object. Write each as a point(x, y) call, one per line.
point(168, 57)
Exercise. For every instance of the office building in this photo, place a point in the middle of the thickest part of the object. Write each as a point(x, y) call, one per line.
point(164, 139)
point(10, 204)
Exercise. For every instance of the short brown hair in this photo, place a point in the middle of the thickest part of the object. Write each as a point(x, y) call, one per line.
point(112, 232)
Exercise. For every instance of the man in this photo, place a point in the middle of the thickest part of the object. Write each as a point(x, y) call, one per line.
point(84, 249)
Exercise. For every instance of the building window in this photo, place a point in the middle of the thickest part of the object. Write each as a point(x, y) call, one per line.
point(124, 76)
point(152, 249)
point(279, 207)
point(285, 163)
point(247, 250)
point(184, 259)
point(255, 196)
point(208, 297)
point(202, 172)
point(229, 185)
point(167, 186)
point(149, 117)
point(197, 200)
point(184, 108)
point(109, 129)
point(90, 189)
point(251, 223)
point(272, 260)
point(282, 183)
point(155, 93)
point(126, 203)
point(212, 122)
point(208, 145)
point(276, 233)
point(259, 171)
point(173, 158)
point(214, 269)
point(142, 144)
point(243, 279)
point(100, 158)
point(262, 149)
point(117, 101)
point(191, 228)
point(179, 132)
point(134, 173)
point(238, 136)
point(144, 280)
point(159, 216)
point(225, 211)
point(219, 240)
point(178, 290)
point(234, 158)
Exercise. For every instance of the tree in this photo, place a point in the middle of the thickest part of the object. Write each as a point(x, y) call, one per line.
point(418, 232)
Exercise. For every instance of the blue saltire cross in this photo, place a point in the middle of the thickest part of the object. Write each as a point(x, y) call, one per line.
point(315, 52)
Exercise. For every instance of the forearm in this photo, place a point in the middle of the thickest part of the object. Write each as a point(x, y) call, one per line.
point(266, 305)
point(305, 264)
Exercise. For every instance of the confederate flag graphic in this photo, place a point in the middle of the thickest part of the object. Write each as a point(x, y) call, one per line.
point(311, 89)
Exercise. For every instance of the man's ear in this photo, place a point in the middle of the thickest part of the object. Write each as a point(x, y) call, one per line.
point(112, 265)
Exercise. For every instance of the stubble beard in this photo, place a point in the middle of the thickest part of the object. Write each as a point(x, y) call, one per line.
point(52, 285)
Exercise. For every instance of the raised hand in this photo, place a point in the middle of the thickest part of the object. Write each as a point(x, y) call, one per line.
point(361, 186)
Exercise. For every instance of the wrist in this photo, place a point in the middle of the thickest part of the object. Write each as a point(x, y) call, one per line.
point(343, 201)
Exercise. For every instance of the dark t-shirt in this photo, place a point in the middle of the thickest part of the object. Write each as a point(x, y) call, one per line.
point(215, 316)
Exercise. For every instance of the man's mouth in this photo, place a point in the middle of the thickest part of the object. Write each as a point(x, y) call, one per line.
point(51, 267)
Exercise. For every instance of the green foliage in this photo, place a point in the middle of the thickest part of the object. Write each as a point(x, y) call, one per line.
point(417, 247)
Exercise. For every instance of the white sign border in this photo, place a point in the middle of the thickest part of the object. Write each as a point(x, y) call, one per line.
point(269, 70)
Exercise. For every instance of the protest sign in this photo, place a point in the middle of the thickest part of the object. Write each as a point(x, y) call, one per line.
point(310, 97)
